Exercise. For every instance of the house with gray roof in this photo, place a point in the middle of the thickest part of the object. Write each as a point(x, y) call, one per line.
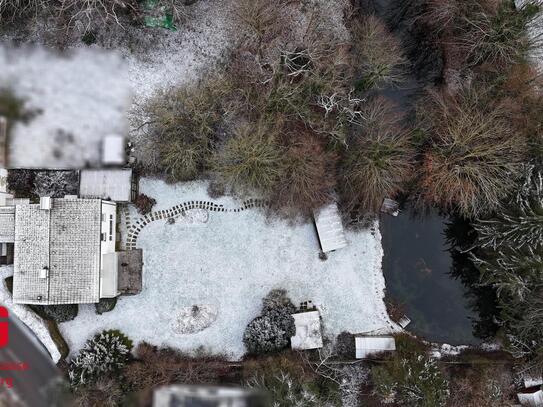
point(61, 251)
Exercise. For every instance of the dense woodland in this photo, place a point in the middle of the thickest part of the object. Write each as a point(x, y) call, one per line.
point(433, 101)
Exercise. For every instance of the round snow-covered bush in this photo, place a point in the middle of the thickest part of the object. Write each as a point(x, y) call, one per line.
point(271, 331)
point(266, 334)
point(106, 352)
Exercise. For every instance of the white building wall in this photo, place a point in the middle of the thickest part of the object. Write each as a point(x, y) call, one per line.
point(108, 278)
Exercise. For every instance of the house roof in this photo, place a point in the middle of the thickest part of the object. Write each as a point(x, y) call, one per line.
point(115, 184)
point(369, 345)
point(7, 224)
point(57, 252)
point(330, 228)
point(308, 331)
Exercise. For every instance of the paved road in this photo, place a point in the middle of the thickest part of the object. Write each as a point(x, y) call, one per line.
point(31, 386)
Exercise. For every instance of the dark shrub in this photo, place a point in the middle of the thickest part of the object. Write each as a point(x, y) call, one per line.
point(89, 38)
point(57, 313)
point(271, 331)
point(251, 160)
point(144, 204)
point(56, 184)
point(21, 183)
point(345, 345)
point(105, 305)
point(308, 173)
point(9, 283)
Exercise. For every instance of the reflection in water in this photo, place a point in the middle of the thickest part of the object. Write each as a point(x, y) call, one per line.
point(424, 274)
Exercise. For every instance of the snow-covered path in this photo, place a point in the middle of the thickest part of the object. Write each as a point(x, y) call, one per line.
point(229, 264)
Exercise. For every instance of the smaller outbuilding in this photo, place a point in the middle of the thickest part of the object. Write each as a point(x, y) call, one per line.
point(117, 185)
point(329, 228)
point(308, 331)
point(367, 345)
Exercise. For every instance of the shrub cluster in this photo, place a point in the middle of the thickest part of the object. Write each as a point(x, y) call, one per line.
point(144, 204)
point(271, 331)
point(285, 114)
point(105, 353)
point(474, 158)
point(56, 313)
point(411, 378)
point(32, 183)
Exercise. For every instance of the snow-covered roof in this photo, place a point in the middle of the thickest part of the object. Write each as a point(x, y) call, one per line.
point(7, 224)
point(330, 228)
point(370, 345)
point(308, 331)
point(106, 184)
point(534, 399)
point(57, 252)
point(113, 150)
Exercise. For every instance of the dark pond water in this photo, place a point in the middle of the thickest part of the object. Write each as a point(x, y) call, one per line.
point(417, 266)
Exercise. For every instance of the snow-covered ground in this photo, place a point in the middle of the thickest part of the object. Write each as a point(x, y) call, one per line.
point(228, 264)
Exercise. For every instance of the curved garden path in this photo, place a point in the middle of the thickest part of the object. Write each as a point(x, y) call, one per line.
point(134, 229)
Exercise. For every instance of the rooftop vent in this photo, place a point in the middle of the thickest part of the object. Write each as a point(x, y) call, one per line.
point(44, 273)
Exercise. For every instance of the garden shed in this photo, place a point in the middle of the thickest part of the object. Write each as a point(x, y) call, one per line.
point(370, 345)
point(115, 184)
point(308, 331)
point(329, 228)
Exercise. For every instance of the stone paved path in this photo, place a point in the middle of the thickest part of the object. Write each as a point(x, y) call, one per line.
point(134, 229)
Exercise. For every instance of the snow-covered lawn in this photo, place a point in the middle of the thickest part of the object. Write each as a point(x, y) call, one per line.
point(228, 264)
